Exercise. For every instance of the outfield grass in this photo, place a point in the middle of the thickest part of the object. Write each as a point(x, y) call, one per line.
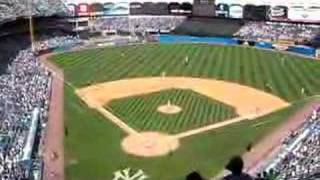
point(247, 66)
point(93, 143)
point(140, 112)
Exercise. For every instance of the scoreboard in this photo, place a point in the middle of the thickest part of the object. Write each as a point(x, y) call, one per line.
point(279, 10)
point(278, 13)
point(253, 12)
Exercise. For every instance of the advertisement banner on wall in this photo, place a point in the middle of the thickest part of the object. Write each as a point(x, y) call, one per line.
point(253, 12)
point(180, 9)
point(297, 13)
point(72, 10)
point(96, 9)
point(222, 10)
point(278, 13)
point(136, 8)
point(236, 11)
point(83, 9)
point(304, 14)
point(313, 13)
point(186, 8)
point(119, 8)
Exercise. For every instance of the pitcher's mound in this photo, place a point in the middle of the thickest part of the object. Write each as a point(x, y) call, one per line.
point(169, 109)
point(149, 144)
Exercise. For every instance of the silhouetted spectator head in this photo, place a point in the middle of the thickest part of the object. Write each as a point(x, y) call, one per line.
point(259, 177)
point(265, 174)
point(235, 165)
point(194, 176)
point(249, 147)
point(271, 171)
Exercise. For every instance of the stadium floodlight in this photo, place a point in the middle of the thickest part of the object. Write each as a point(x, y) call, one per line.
point(31, 30)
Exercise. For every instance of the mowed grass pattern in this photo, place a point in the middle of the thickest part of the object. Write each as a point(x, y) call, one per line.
point(280, 74)
point(140, 112)
point(94, 142)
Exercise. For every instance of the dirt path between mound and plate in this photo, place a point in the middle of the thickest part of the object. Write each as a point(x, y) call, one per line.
point(54, 135)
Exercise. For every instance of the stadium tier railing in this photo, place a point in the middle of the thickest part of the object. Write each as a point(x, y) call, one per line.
point(27, 150)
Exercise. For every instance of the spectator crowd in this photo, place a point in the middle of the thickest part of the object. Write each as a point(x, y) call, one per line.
point(12, 9)
point(299, 157)
point(24, 86)
point(138, 23)
point(56, 42)
point(274, 31)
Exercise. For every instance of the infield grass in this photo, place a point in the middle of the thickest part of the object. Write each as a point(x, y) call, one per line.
point(140, 112)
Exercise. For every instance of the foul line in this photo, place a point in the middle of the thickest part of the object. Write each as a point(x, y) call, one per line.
point(209, 127)
point(126, 128)
point(117, 121)
point(219, 125)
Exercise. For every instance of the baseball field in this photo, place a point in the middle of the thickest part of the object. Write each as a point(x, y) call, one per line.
point(164, 110)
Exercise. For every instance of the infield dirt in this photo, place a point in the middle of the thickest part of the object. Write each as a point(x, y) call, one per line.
point(248, 102)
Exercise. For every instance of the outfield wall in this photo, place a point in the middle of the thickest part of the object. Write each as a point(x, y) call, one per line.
point(196, 39)
point(301, 50)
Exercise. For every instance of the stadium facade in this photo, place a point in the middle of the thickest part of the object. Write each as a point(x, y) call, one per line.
point(296, 11)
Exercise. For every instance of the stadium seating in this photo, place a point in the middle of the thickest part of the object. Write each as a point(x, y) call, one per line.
point(12, 9)
point(153, 24)
point(276, 31)
point(25, 82)
point(24, 90)
point(299, 155)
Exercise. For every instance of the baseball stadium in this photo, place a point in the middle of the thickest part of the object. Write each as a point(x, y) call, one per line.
point(160, 90)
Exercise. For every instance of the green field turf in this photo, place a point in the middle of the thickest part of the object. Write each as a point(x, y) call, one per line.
point(247, 66)
point(140, 112)
point(93, 143)
point(93, 151)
